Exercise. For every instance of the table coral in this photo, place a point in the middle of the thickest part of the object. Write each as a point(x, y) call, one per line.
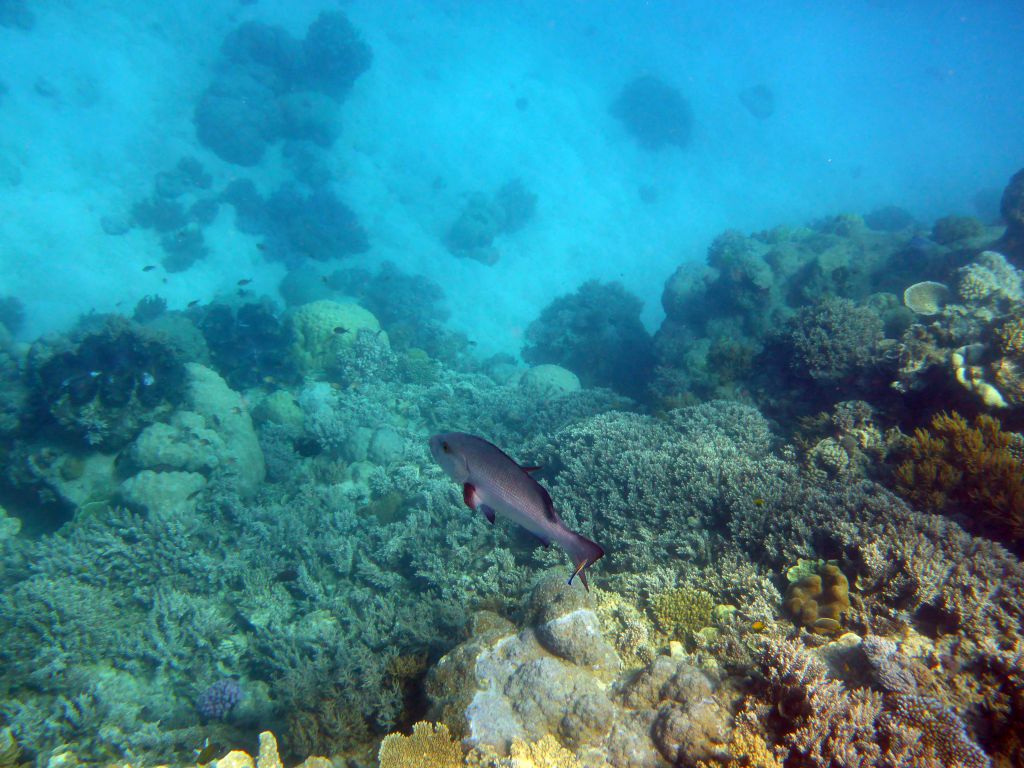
point(429, 746)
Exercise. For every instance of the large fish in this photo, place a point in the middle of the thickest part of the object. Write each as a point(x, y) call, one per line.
point(492, 483)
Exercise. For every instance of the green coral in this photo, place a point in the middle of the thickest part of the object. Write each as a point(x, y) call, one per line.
point(683, 611)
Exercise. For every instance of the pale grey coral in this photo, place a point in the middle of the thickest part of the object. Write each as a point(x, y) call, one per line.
point(679, 471)
point(922, 731)
point(833, 340)
point(891, 668)
point(828, 725)
point(990, 280)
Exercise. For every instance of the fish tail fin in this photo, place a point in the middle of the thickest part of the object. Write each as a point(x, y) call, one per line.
point(584, 553)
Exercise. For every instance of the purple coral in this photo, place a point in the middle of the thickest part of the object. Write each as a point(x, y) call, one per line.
point(217, 701)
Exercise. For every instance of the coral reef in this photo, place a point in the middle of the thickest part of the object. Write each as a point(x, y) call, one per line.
point(249, 346)
point(654, 113)
point(483, 219)
point(296, 224)
point(549, 679)
point(270, 86)
point(597, 334)
point(430, 745)
point(833, 340)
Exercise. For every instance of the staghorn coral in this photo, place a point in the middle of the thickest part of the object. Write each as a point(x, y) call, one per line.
point(429, 746)
point(973, 468)
point(822, 722)
point(922, 731)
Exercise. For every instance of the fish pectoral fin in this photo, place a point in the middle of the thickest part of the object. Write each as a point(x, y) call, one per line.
point(487, 512)
point(528, 470)
point(470, 496)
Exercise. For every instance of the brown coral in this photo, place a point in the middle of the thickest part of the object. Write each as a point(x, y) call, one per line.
point(818, 601)
point(1011, 335)
point(973, 468)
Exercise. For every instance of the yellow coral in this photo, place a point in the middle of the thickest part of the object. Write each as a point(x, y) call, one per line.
point(546, 753)
point(325, 330)
point(976, 468)
point(430, 746)
point(1011, 336)
point(10, 752)
point(681, 612)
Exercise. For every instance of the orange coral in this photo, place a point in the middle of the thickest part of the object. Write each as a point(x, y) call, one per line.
point(973, 468)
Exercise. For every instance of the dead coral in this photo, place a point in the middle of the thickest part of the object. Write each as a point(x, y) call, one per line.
point(975, 469)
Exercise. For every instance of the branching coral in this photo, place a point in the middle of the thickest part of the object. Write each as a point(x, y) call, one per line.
point(430, 746)
point(974, 468)
point(681, 612)
point(923, 731)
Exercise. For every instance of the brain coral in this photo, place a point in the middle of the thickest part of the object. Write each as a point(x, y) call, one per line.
point(326, 330)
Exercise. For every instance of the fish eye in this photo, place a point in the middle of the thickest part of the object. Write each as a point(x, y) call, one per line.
point(444, 447)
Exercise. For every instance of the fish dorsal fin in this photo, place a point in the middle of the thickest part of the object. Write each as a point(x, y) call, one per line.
point(528, 470)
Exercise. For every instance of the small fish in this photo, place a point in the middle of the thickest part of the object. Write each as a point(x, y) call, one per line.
point(758, 502)
point(237, 409)
point(193, 303)
point(94, 374)
point(149, 268)
point(207, 752)
point(261, 246)
point(825, 626)
point(757, 626)
point(339, 329)
point(492, 482)
point(245, 281)
point(269, 380)
point(194, 494)
point(147, 379)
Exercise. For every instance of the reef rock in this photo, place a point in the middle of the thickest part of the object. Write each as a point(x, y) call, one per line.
point(561, 677)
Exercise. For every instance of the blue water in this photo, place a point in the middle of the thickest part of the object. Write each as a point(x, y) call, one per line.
point(876, 103)
point(218, 513)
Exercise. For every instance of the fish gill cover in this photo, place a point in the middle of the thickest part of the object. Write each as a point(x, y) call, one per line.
point(745, 284)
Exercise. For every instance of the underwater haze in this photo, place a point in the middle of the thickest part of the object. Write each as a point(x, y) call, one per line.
point(511, 384)
point(874, 104)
